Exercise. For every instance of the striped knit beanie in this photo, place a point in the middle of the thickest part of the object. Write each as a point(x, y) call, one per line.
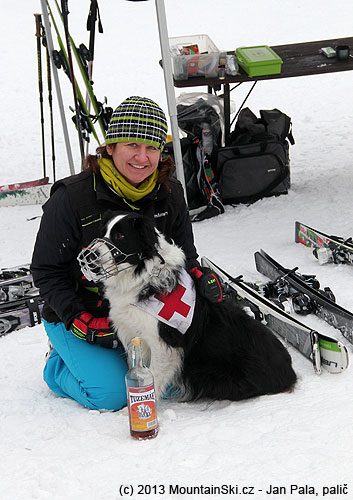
point(138, 119)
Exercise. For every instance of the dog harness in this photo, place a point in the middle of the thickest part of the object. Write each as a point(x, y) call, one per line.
point(175, 309)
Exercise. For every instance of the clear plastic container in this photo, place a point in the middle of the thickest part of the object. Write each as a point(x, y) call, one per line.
point(194, 55)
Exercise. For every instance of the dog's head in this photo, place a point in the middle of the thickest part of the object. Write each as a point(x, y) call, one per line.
point(128, 239)
point(132, 234)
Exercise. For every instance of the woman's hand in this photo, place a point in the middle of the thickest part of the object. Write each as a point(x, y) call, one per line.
point(95, 330)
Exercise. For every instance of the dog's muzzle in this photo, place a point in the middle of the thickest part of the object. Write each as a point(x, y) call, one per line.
point(101, 258)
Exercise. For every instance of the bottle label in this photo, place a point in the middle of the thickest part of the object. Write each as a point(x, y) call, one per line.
point(142, 408)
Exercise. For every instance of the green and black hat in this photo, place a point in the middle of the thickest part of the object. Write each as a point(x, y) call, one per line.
point(138, 119)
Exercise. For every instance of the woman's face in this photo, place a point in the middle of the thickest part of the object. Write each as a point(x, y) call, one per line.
point(134, 161)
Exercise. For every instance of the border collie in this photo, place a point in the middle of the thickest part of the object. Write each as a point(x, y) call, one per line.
point(201, 350)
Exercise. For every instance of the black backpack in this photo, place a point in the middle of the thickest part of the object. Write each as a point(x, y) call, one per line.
point(201, 188)
point(256, 162)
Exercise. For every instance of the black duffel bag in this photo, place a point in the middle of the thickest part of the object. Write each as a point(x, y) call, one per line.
point(256, 164)
point(249, 172)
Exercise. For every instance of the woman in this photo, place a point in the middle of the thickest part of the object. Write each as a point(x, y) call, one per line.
point(128, 173)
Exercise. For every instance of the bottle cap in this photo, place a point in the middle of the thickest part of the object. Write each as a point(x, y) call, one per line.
point(136, 341)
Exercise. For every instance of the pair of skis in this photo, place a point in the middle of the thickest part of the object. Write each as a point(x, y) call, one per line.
point(20, 302)
point(322, 350)
point(63, 58)
point(327, 249)
point(305, 289)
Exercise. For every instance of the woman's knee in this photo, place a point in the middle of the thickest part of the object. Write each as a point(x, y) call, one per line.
point(91, 375)
point(99, 400)
point(106, 388)
point(96, 394)
point(107, 391)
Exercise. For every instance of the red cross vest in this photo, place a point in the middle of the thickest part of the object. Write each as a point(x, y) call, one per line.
point(176, 309)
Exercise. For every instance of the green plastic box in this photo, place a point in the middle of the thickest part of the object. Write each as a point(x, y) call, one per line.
point(259, 61)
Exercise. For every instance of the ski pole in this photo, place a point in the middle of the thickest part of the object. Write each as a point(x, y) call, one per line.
point(40, 85)
point(57, 86)
point(91, 27)
point(65, 13)
point(50, 99)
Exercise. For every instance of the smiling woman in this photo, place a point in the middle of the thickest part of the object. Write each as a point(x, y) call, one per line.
point(134, 161)
point(128, 173)
point(130, 161)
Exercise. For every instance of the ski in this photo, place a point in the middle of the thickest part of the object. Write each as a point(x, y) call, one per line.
point(8, 273)
point(23, 185)
point(84, 56)
point(327, 248)
point(33, 195)
point(15, 291)
point(28, 314)
point(16, 287)
point(305, 290)
point(60, 59)
point(322, 350)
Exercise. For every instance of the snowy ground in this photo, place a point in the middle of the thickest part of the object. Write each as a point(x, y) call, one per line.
point(53, 448)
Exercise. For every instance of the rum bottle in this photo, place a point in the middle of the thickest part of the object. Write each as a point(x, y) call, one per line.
point(141, 399)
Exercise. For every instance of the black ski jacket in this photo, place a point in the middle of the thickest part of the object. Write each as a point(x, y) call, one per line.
point(71, 220)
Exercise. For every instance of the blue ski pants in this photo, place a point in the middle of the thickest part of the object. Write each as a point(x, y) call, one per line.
point(92, 375)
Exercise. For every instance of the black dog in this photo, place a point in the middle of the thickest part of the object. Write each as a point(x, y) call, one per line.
point(203, 350)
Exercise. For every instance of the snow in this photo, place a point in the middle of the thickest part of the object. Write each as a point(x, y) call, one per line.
point(52, 448)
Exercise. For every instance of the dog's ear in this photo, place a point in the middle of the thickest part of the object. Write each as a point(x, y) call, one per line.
point(145, 231)
point(145, 228)
point(108, 216)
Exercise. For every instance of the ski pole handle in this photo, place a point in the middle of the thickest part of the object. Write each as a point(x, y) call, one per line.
point(38, 24)
point(65, 8)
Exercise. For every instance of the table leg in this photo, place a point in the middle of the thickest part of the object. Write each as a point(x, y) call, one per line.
point(226, 104)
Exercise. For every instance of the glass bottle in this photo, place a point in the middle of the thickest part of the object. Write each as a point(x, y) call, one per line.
point(141, 397)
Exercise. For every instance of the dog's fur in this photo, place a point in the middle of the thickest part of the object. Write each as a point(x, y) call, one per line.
point(224, 354)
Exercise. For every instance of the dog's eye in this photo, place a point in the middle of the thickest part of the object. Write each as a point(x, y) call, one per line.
point(119, 236)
